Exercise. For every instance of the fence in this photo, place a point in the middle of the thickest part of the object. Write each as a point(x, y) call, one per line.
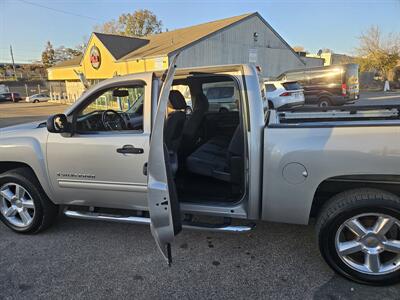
point(26, 89)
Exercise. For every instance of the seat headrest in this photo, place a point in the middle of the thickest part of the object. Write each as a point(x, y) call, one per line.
point(201, 102)
point(176, 100)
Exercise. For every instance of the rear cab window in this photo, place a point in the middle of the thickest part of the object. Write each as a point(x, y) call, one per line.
point(185, 91)
point(222, 96)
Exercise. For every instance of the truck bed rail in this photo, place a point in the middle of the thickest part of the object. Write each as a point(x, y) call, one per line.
point(337, 114)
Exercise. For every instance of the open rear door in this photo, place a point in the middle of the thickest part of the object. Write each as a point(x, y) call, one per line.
point(162, 197)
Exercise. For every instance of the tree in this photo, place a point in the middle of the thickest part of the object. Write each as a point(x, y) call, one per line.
point(51, 56)
point(48, 55)
point(377, 52)
point(142, 22)
point(62, 53)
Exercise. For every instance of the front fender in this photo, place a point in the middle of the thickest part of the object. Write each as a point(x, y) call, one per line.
point(28, 151)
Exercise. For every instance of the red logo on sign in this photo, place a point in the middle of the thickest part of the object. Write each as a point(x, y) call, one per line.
point(95, 57)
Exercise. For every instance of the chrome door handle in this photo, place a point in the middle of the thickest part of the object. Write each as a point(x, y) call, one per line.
point(129, 149)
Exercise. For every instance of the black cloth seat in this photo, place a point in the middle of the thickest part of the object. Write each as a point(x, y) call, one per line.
point(175, 121)
point(214, 158)
point(192, 127)
point(174, 126)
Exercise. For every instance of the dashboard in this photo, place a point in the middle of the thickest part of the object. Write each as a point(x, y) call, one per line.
point(93, 121)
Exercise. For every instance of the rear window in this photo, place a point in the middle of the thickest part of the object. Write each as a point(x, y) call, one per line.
point(220, 92)
point(291, 86)
point(352, 74)
point(270, 87)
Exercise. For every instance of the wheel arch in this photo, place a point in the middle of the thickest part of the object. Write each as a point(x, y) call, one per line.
point(325, 95)
point(337, 184)
point(26, 152)
point(6, 166)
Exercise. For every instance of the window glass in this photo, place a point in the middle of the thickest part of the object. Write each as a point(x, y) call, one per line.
point(126, 104)
point(325, 77)
point(352, 74)
point(292, 86)
point(222, 96)
point(116, 99)
point(270, 87)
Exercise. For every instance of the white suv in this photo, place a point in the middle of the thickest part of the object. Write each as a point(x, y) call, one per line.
point(284, 94)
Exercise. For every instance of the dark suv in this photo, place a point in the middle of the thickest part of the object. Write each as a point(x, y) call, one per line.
point(14, 97)
point(327, 86)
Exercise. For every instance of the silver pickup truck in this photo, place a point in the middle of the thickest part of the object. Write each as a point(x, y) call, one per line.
point(127, 152)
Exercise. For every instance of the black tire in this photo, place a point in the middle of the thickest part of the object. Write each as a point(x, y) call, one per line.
point(45, 210)
point(35, 101)
point(223, 110)
point(342, 207)
point(324, 102)
point(270, 104)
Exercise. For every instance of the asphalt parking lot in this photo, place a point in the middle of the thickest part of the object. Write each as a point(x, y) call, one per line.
point(21, 112)
point(86, 259)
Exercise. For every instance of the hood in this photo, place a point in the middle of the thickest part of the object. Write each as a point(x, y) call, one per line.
point(21, 127)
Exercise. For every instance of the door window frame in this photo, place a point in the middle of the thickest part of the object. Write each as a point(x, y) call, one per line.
point(148, 94)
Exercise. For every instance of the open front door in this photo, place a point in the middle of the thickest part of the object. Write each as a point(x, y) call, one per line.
point(162, 197)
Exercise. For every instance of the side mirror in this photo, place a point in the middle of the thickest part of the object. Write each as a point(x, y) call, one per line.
point(57, 124)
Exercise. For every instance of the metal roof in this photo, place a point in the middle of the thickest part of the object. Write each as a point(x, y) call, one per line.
point(119, 45)
point(125, 48)
point(170, 41)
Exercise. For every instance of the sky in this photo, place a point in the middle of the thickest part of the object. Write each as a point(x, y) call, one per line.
point(315, 24)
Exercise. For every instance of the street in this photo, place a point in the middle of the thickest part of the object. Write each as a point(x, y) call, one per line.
point(88, 259)
point(378, 98)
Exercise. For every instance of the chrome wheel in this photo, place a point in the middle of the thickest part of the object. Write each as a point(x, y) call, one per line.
point(16, 205)
point(370, 243)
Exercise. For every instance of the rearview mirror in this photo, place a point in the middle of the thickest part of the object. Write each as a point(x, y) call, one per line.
point(57, 124)
point(120, 93)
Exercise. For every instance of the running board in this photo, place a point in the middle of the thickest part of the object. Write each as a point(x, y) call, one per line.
point(226, 227)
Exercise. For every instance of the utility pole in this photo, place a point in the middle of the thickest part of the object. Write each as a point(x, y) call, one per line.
point(13, 63)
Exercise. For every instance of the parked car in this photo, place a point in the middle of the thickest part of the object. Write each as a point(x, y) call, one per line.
point(340, 168)
point(221, 96)
point(284, 94)
point(327, 86)
point(14, 97)
point(37, 98)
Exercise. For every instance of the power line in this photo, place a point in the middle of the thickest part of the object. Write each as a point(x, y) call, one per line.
point(59, 10)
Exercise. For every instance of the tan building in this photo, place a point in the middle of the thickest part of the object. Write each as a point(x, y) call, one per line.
point(241, 39)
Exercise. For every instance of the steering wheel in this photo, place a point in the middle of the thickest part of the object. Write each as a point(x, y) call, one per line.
point(112, 120)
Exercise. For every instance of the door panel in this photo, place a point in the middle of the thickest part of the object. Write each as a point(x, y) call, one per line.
point(87, 169)
point(162, 198)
